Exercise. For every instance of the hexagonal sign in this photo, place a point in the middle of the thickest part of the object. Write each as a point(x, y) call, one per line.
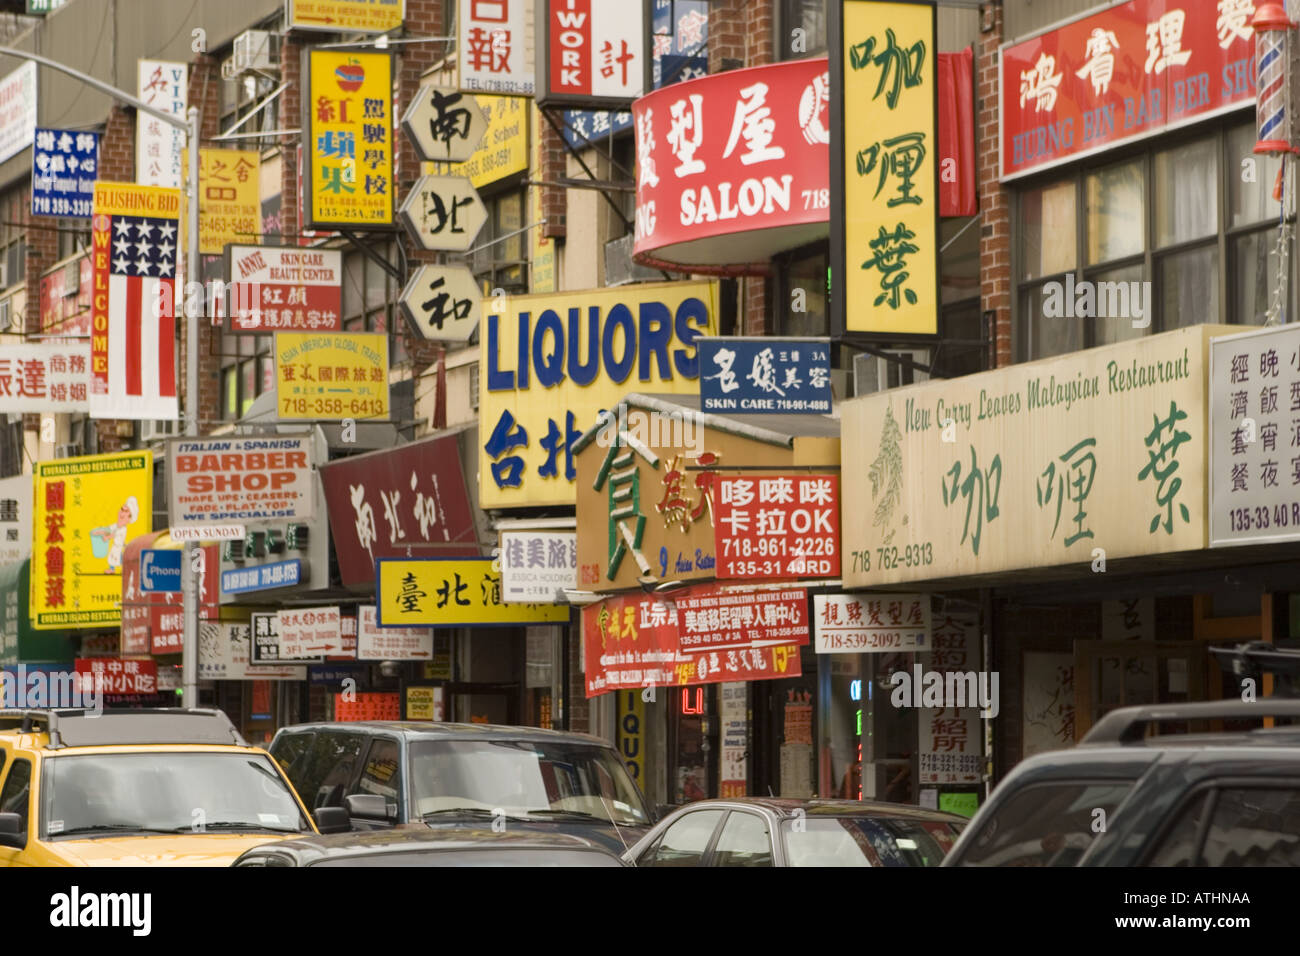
point(443, 302)
point(444, 213)
point(445, 124)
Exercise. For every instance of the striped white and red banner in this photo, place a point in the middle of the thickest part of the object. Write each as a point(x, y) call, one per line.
point(133, 339)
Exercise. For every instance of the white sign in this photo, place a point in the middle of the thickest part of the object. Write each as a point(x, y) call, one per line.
point(445, 125)
point(266, 478)
point(223, 655)
point(593, 54)
point(444, 213)
point(734, 713)
point(309, 632)
point(950, 740)
point(207, 532)
point(871, 623)
point(50, 378)
point(536, 566)
point(284, 289)
point(1047, 702)
point(158, 145)
point(1254, 474)
point(17, 110)
point(375, 643)
point(442, 302)
point(495, 46)
point(16, 519)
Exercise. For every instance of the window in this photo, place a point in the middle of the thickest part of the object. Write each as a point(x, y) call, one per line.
point(1178, 846)
point(1046, 825)
point(17, 789)
point(383, 772)
point(808, 16)
point(501, 250)
point(1256, 826)
point(247, 375)
point(13, 236)
point(745, 841)
point(327, 771)
point(684, 843)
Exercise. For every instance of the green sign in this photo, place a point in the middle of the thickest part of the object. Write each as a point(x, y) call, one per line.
point(963, 803)
point(41, 7)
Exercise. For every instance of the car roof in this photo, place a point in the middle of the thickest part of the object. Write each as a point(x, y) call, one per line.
point(337, 845)
point(413, 729)
point(789, 807)
point(57, 729)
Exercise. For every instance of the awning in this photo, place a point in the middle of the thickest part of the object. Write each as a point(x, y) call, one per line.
point(19, 641)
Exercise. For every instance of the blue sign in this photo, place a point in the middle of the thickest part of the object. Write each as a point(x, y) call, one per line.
point(765, 375)
point(65, 164)
point(160, 570)
point(334, 673)
point(281, 574)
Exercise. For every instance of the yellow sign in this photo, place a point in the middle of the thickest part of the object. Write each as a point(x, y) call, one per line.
point(422, 703)
point(891, 183)
point(504, 149)
point(351, 16)
point(550, 363)
point(86, 510)
point(541, 265)
point(230, 201)
point(1078, 460)
point(450, 592)
point(349, 139)
point(331, 375)
point(129, 199)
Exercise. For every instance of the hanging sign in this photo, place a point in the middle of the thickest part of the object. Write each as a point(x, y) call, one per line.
point(444, 213)
point(450, 592)
point(592, 54)
point(444, 124)
point(346, 16)
point(765, 375)
point(65, 164)
point(442, 302)
point(336, 376)
point(284, 289)
point(494, 46)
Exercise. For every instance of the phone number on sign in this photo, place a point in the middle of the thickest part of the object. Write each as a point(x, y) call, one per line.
point(888, 559)
point(778, 547)
point(332, 406)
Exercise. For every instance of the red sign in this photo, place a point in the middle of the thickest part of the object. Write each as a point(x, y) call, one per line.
point(367, 707)
point(595, 54)
point(152, 622)
point(64, 310)
point(116, 676)
point(1122, 74)
point(408, 502)
point(630, 642)
point(284, 289)
point(740, 154)
point(955, 76)
point(777, 526)
point(711, 619)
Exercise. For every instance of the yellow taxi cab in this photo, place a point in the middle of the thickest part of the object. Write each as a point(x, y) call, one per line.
point(169, 787)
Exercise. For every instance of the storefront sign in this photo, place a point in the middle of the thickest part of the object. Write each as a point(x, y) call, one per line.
point(409, 501)
point(65, 164)
point(444, 125)
point(375, 643)
point(65, 307)
point(765, 376)
point(17, 110)
point(112, 675)
point(284, 289)
point(950, 740)
point(309, 632)
point(331, 377)
point(591, 54)
point(15, 519)
point(368, 706)
point(442, 302)
point(444, 213)
point(266, 638)
point(86, 510)
point(450, 592)
point(550, 363)
point(734, 714)
point(711, 619)
point(541, 250)
point(48, 378)
point(1121, 74)
point(885, 225)
point(1031, 466)
point(503, 150)
point(347, 16)
point(152, 621)
point(871, 623)
point(741, 154)
point(158, 145)
point(424, 703)
point(213, 480)
point(224, 653)
point(538, 565)
point(230, 201)
point(777, 526)
point(630, 734)
point(495, 46)
point(1254, 405)
point(279, 574)
point(348, 143)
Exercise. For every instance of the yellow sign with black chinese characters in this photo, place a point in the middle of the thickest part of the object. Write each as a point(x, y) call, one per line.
point(85, 511)
point(351, 16)
point(450, 592)
point(349, 139)
point(541, 265)
point(504, 149)
point(890, 161)
point(331, 375)
point(230, 200)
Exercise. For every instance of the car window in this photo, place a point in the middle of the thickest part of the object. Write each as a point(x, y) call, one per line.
point(290, 752)
point(745, 841)
point(866, 841)
point(328, 769)
point(1045, 825)
point(685, 841)
point(17, 789)
point(1254, 826)
point(382, 773)
point(1178, 845)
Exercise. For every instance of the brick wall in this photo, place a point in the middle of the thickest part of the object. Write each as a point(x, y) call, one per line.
point(290, 117)
point(554, 168)
point(995, 225)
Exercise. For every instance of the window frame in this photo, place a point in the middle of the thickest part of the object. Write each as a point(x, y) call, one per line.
point(1216, 787)
point(722, 829)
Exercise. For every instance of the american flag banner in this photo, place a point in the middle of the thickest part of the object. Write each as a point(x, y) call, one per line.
point(133, 342)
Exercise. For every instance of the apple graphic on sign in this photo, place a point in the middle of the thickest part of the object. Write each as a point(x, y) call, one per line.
point(350, 76)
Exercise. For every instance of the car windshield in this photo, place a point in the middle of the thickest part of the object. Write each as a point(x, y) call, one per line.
point(866, 841)
point(536, 779)
point(167, 792)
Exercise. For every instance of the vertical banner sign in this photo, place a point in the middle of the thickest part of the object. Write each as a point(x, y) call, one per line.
point(86, 510)
point(65, 164)
point(957, 193)
point(885, 172)
point(950, 740)
point(133, 344)
point(591, 54)
point(17, 110)
point(495, 46)
point(158, 146)
point(230, 204)
point(631, 734)
point(349, 139)
point(735, 739)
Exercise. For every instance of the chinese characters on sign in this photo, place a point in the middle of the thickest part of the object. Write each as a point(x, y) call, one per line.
point(224, 655)
point(504, 147)
point(778, 526)
point(368, 706)
point(66, 308)
point(1048, 702)
point(442, 302)
point(950, 740)
point(871, 623)
point(284, 289)
point(112, 675)
point(375, 643)
point(711, 619)
point(158, 145)
point(45, 378)
point(494, 46)
point(538, 565)
point(351, 16)
point(445, 125)
point(333, 377)
point(65, 165)
point(230, 203)
point(15, 519)
point(444, 213)
point(766, 375)
point(592, 54)
point(309, 633)
point(450, 592)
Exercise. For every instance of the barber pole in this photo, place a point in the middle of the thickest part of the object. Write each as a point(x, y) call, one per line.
point(1273, 63)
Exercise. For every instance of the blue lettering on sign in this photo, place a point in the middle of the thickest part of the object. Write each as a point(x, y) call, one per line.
point(704, 562)
point(281, 574)
point(683, 565)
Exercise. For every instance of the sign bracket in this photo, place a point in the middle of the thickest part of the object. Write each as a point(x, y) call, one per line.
point(627, 223)
point(373, 256)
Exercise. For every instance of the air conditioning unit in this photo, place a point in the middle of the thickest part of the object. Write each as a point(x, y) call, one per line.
point(872, 373)
point(67, 451)
point(6, 315)
point(4, 275)
point(71, 278)
point(253, 50)
point(158, 429)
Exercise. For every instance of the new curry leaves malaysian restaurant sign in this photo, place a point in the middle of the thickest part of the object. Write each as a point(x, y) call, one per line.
point(1093, 456)
point(213, 480)
point(1121, 74)
point(886, 179)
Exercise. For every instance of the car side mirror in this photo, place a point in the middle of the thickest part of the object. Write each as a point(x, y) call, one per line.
point(366, 806)
point(332, 820)
point(12, 832)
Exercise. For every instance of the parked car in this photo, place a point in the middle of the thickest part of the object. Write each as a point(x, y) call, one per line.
point(441, 847)
point(122, 788)
point(763, 831)
point(385, 773)
point(1122, 798)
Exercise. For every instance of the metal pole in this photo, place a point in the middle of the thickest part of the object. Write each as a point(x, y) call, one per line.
point(193, 269)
